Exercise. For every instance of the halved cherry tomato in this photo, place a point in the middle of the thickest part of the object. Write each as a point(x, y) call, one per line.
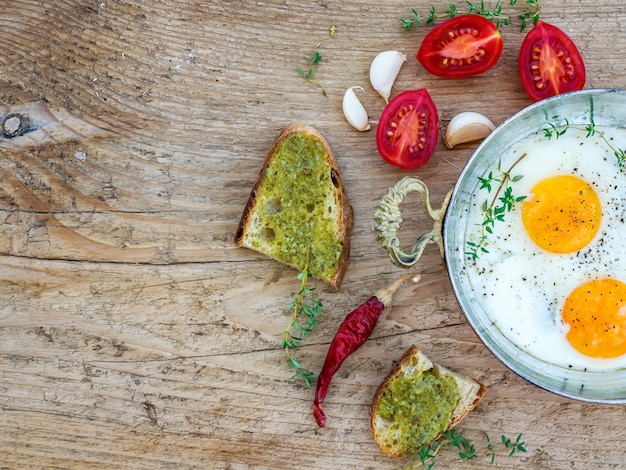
point(550, 63)
point(461, 47)
point(408, 130)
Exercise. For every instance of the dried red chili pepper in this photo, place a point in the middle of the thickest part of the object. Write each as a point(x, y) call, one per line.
point(352, 333)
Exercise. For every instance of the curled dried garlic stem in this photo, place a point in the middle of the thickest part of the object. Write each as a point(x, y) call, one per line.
point(384, 70)
point(354, 111)
point(467, 126)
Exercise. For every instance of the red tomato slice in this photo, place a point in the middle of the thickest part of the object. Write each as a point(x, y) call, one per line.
point(550, 63)
point(461, 47)
point(408, 130)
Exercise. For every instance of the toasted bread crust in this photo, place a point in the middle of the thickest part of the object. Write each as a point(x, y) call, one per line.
point(479, 396)
point(423, 364)
point(395, 372)
point(346, 218)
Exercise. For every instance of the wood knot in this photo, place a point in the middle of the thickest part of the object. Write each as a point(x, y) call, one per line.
point(15, 125)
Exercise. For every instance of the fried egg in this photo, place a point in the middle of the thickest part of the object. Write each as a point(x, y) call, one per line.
point(554, 277)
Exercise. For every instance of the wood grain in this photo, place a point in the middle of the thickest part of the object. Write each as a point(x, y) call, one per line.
point(134, 333)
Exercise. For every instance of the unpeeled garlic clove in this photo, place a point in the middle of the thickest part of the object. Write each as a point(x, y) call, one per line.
point(354, 111)
point(384, 70)
point(467, 126)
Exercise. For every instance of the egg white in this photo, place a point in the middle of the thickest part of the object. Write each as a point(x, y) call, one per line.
point(523, 287)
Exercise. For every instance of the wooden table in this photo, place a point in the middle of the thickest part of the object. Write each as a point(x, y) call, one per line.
point(135, 334)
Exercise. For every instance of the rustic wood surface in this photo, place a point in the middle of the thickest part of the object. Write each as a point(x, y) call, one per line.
point(135, 334)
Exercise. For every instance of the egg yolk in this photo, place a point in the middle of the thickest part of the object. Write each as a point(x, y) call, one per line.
point(563, 214)
point(596, 314)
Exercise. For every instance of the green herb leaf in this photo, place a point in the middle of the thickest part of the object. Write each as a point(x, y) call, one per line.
point(409, 23)
point(467, 451)
point(490, 445)
point(305, 312)
point(307, 376)
point(492, 212)
point(452, 11)
point(432, 15)
point(517, 446)
point(590, 130)
point(495, 15)
point(427, 454)
point(312, 70)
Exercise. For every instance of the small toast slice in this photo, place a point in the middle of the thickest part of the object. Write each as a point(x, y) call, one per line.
point(417, 402)
point(298, 207)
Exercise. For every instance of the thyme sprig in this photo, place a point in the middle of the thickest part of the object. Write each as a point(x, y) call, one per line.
point(495, 14)
point(517, 446)
point(495, 210)
point(305, 312)
point(467, 450)
point(490, 448)
point(311, 70)
point(532, 13)
point(590, 130)
point(427, 454)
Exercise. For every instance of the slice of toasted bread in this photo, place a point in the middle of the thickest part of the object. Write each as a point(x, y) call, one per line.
point(417, 402)
point(298, 207)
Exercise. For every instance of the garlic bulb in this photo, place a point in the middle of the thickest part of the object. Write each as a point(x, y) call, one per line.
point(384, 70)
point(354, 111)
point(467, 126)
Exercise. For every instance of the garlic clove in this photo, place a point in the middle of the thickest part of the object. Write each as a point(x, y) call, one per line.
point(384, 70)
point(354, 111)
point(467, 126)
